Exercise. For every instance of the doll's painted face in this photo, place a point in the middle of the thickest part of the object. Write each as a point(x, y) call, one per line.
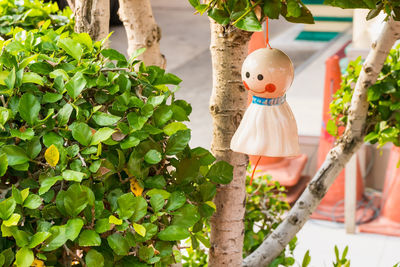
point(267, 73)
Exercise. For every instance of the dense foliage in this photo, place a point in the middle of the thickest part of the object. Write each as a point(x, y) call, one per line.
point(95, 164)
point(248, 15)
point(31, 14)
point(383, 121)
point(390, 7)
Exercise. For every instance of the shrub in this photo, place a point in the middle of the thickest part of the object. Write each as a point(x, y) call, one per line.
point(383, 121)
point(32, 14)
point(95, 164)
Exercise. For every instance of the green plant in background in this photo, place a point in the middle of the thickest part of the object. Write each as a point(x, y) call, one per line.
point(383, 97)
point(341, 261)
point(95, 164)
point(32, 14)
point(265, 208)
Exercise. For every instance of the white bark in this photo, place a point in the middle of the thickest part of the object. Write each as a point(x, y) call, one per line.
point(142, 30)
point(92, 17)
point(227, 105)
point(337, 157)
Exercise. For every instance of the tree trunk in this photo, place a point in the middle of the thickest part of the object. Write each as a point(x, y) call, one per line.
point(337, 158)
point(142, 30)
point(227, 105)
point(92, 17)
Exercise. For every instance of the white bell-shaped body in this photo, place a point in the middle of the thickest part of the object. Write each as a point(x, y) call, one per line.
point(268, 127)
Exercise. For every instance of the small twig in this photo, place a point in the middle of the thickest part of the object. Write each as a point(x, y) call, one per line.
point(82, 160)
point(115, 69)
point(70, 252)
point(3, 101)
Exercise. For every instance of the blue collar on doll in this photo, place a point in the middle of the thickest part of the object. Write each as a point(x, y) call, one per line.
point(269, 101)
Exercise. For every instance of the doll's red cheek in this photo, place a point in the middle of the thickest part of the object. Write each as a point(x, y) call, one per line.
point(245, 85)
point(270, 88)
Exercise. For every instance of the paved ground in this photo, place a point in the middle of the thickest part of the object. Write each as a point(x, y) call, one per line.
point(185, 43)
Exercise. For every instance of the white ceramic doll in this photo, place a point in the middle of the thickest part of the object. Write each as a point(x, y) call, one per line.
point(268, 127)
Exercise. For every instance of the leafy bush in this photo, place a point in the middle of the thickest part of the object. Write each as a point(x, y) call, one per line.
point(95, 164)
point(248, 15)
point(383, 121)
point(31, 14)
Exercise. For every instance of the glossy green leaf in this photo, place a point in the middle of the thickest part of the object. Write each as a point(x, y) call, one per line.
point(72, 47)
point(118, 244)
point(177, 142)
point(81, 133)
point(76, 85)
point(29, 108)
point(89, 238)
point(94, 259)
point(24, 257)
point(15, 155)
point(174, 233)
point(221, 173)
point(101, 135)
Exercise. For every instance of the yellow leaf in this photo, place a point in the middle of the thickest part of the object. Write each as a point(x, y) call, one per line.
point(136, 188)
point(40, 23)
point(114, 220)
point(52, 155)
point(37, 263)
point(139, 229)
point(211, 204)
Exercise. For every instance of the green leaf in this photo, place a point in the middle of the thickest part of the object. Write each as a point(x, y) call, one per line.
point(177, 142)
point(249, 22)
point(118, 244)
point(157, 202)
point(3, 164)
point(75, 200)
point(140, 209)
point(306, 259)
point(153, 157)
point(72, 47)
point(112, 54)
point(38, 238)
point(31, 77)
point(140, 229)
point(272, 9)
point(33, 147)
point(219, 15)
point(176, 200)
point(51, 138)
point(332, 128)
point(75, 176)
point(29, 108)
point(157, 182)
point(51, 97)
point(47, 183)
point(64, 114)
point(186, 216)
point(293, 9)
point(101, 135)
point(162, 115)
point(174, 127)
point(94, 259)
point(126, 205)
point(89, 238)
point(135, 121)
point(7, 208)
point(32, 202)
point(207, 191)
point(350, 3)
point(163, 193)
point(24, 257)
point(10, 80)
point(103, 225)
point(12, 221)
point(27, 135)
point(62, 233)
point(81, 133)
point(105, 119)
point(221, 173)
point(76, 85)
point(174, 233)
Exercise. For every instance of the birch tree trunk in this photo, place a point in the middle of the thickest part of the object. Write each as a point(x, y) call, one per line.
point(227, 105)
point(142, 30)
point(92, 17)
point(335, 161)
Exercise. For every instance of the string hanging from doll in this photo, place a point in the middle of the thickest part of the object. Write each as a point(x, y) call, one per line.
point(266, 34)
point(269, 46)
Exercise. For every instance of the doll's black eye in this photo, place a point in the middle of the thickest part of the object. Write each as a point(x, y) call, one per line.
point(247, 74)
point(260, 77)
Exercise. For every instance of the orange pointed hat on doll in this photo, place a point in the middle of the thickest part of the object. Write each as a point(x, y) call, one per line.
point(268, 127)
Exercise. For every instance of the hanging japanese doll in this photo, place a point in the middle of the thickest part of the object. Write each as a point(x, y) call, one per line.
point(268, 127)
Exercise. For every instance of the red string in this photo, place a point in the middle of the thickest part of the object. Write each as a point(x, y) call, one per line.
point(254, 170)
point(266, 37)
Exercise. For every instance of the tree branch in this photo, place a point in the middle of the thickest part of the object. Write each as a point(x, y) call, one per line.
point(337, 158)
